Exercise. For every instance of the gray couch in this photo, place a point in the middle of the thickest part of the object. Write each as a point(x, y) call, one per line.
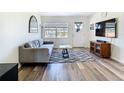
point(37, 51)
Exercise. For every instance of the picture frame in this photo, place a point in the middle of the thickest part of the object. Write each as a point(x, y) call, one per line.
point(91, 26)
point(33, 24)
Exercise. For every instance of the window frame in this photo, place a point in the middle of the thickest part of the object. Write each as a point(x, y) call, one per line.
point(56, 36)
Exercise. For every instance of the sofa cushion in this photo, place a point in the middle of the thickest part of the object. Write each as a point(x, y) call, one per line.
point(40, 42)
point(36, 43)
point(49, 46)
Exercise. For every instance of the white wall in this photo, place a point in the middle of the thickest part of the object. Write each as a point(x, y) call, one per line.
point(76, 39)
point(117, 43)
point(14, 32)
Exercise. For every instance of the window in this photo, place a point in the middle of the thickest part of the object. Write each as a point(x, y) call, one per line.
point(62, 32)
point(57, 30)
point(50, 33)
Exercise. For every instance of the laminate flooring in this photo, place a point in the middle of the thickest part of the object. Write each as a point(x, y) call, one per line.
point(100, 70)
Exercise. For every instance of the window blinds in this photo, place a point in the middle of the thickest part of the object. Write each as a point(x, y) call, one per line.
point(55, 25)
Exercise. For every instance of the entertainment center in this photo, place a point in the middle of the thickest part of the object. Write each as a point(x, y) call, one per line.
point(106, 29)
point(100, 49)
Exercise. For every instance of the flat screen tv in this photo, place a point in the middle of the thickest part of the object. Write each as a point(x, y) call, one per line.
point(106, 28)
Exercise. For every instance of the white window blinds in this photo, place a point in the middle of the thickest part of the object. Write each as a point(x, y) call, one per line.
point(56, 25)
point(55, 30)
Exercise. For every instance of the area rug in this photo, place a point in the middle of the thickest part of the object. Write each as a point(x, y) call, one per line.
point(75, 55)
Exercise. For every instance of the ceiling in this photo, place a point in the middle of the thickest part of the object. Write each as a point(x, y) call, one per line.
point(67, 13)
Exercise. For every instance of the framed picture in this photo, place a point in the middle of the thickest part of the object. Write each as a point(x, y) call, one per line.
point(33, 25)
point(91, 26)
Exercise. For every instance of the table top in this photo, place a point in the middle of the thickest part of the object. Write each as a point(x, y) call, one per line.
point(65, 46)
point(5, 67)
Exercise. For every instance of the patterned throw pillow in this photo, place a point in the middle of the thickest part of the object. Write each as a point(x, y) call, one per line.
point(29, 45)
point(40, 42)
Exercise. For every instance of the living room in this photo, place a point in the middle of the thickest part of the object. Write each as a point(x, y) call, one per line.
point(69, 32)
point(61, 46)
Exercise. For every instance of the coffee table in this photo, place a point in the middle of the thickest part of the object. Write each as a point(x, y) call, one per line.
point(64, 48)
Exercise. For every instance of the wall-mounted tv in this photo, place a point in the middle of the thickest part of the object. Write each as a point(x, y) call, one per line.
point(106, 28)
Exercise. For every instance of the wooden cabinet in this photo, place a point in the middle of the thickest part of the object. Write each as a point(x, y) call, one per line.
point(101, 49)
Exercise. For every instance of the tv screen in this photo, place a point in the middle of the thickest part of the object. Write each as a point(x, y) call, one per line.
point(100, 29)
point(106, 28)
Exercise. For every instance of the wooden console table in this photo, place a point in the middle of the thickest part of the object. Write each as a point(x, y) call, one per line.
point(101, 49)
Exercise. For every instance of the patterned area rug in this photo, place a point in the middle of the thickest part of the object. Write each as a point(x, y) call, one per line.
point(75, 55)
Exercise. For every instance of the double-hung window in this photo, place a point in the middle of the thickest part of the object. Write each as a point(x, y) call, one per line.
point(50, 32)
point(56, 30)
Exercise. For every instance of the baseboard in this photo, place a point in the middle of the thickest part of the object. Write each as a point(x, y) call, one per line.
point(114, 59)
point(80, 47)
point(19, 66)
point(76, 47)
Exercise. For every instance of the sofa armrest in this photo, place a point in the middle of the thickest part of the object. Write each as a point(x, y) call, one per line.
point(33, 55)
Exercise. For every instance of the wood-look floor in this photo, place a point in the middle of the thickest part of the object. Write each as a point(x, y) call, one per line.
point(102, 70)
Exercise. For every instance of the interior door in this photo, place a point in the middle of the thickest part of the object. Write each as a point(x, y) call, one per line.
point(76, 38)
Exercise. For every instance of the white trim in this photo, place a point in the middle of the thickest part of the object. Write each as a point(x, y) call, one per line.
point(55, 25)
